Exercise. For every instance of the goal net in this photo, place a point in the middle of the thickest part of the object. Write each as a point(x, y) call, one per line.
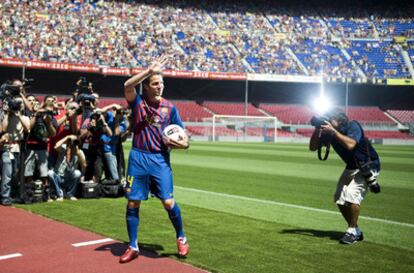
point(242, 128)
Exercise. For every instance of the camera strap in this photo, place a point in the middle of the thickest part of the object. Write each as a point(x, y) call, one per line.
point(327, 149)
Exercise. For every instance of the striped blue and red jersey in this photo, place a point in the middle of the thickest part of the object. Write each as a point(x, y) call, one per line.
point(148, 122)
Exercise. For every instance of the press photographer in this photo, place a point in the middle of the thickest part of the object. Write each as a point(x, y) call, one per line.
point(12, 129)
point(67, 171)
point(93, 128)
point(111, 144)
point(362, 165)
point(43, 126)
point(69, 122)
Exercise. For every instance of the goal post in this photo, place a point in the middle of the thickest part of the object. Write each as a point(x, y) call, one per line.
point(243, 128)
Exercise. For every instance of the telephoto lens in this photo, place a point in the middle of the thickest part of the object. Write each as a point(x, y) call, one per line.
point(370, 174)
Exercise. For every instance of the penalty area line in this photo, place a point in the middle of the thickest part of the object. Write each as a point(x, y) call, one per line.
point(10, 256)
point(290, 205)
point(92, 242)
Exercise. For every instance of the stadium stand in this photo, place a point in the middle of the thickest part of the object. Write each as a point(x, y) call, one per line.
point(371, 115)
point(410, 50)
point(403, 116)
point(379, 59)
point(289, 113)
point(225, 131)
point(107, 101)
point(371, 134)
point(395, 27)
point(306, 132)
point(387, 134)
point(222, 108)
point(319, 54)
point(196, 130)
point(207, 130)
point(355, 28)
point(213, 36)
point(269, 132)
point(191, 111)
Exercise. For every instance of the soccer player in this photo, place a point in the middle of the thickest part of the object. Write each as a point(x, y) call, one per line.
point(149, 168)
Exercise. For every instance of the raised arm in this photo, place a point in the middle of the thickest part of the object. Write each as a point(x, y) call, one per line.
point(129, 86)
point(24, 120)
point(59, 144)
point(82, 159)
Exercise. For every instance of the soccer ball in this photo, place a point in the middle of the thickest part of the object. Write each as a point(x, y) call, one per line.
point(174, 132)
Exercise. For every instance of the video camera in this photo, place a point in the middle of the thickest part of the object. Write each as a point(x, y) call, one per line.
point(13, 104)
point(317, 122)
point(9, 94)
point(83, 86)
point(9, 90)
point(86, 99)
point(84, 91)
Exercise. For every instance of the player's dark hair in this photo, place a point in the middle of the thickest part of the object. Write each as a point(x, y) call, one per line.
point(147, 79)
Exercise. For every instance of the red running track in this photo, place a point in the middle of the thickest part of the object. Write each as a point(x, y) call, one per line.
point(46, 246)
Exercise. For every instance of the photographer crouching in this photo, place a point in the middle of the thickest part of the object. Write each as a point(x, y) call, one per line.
point(13, 127)
point(67, 171)
point(362, 165)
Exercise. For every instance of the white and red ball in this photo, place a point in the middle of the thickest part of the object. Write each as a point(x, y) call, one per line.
point(173, 132)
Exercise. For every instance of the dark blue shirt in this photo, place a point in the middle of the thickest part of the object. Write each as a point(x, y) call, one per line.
point(149, 120)
point(362, 153)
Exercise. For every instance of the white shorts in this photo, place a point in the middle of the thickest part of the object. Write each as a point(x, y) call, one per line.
point(351, 188)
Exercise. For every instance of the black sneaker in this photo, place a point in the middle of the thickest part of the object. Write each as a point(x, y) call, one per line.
point(349, 238)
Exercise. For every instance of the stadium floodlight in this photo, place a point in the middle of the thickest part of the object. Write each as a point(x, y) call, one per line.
point(321, 105)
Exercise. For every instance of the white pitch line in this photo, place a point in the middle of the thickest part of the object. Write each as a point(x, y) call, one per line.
point(291, 206)
point(9, 256)
point(92, 242)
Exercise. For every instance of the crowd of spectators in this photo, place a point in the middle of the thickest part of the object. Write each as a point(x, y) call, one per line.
point(320, 55)
point(50, 149)
point(260, 37)
point(379, 59)
point(410, 50)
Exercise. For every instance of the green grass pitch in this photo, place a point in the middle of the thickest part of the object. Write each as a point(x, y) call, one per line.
point(266, 208)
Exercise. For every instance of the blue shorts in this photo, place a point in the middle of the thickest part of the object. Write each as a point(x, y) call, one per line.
point(149, 172)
